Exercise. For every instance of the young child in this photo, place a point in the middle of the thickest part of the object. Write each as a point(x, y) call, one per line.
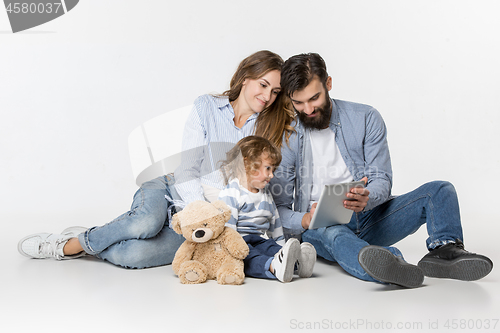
point(247, 170)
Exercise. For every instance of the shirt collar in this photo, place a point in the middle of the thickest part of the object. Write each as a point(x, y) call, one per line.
point(223, 102)
point(334, 119)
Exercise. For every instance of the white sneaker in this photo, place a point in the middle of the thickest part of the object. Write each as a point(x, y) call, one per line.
point(44, 245)
point(74, 231)
point(307, 259)
point(284, 261)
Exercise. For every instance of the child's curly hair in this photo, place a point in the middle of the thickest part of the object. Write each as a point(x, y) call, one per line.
point(246, 157)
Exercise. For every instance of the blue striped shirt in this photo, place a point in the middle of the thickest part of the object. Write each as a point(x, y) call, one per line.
point(208, 134)
point(252, 213)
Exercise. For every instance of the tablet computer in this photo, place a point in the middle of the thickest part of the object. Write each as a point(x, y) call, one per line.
point(330, 209)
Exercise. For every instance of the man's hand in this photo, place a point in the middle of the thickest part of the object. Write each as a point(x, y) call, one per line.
point(306, 219)
point(358, 198)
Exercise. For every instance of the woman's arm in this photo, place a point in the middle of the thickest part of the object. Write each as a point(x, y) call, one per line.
point(187, 175)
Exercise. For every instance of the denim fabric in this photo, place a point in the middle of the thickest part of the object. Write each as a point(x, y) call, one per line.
point(435, 204)
point(141, 237)
point(259, 258)
point(361, 136)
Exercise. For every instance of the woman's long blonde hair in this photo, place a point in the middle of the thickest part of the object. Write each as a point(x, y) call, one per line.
point(275, 120)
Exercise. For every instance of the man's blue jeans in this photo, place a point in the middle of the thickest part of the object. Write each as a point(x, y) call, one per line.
point(141, 237)
point(435, 204)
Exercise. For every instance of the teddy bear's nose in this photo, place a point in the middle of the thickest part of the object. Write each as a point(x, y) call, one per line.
point(199, 233)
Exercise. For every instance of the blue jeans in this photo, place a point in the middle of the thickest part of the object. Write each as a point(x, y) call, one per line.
point(141, 237)
point(434, 203)
point(259, 258)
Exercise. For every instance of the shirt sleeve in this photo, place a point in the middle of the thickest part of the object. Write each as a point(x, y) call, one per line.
point(230, 195)
point(378, 168)
point(276, 229)
point(187, 175)
point(283, 186)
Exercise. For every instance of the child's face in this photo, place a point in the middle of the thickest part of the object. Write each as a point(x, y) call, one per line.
point(258, 179)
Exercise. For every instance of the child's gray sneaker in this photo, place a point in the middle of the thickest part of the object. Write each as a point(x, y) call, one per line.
point(307, 259)
point(284, 261)
point(45, 245)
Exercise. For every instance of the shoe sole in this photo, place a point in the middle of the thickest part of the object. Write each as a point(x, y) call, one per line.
point(292, 254)
point(465, 269)
point(384, 266)
point(306, 267)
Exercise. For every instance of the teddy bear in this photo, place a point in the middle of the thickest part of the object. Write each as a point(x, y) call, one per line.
point(210, 250)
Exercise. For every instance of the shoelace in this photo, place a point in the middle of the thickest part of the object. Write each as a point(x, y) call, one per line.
point(174, 203)
point(49, 249)
point(458, 243)
point(280, 256)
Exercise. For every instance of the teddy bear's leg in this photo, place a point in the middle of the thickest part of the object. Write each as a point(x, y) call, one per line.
point(231, 272)
point(192, 272)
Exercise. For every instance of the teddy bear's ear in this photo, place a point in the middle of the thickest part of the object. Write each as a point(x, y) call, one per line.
point(223, 208)
point(176, 223)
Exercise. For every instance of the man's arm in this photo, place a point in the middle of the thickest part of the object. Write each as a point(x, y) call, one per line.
point(283, 187)
point(378, 168)
point(276, 228)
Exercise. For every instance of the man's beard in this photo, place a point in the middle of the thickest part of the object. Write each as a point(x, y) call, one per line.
point(321, 120)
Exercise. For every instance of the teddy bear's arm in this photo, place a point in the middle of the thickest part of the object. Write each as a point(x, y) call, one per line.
point(235, 244)
point(184, 253)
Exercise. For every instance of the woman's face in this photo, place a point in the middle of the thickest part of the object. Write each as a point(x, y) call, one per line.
point(260, 93)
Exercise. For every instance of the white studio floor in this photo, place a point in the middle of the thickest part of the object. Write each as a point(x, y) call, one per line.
point(89, 295)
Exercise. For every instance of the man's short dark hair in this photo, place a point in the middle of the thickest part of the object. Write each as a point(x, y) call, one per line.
point(299, 70)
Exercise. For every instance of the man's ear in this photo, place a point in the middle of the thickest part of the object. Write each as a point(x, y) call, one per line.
point(329, 83)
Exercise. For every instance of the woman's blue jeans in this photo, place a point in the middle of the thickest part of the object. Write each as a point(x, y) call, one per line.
point(141, 237)
point(434, 203)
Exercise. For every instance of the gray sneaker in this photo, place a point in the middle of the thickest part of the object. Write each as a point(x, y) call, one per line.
point(44, 245)
point(305, 265)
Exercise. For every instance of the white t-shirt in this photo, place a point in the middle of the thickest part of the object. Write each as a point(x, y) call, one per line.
point(328, 165)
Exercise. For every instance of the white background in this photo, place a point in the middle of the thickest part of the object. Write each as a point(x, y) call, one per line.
point(72, 90)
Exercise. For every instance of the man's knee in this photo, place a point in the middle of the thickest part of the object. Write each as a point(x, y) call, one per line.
point(442, 187)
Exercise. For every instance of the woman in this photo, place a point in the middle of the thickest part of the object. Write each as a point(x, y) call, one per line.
point(141, 237)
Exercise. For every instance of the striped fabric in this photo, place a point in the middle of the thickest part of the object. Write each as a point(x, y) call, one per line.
point(252, 213)
point(208, 134)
